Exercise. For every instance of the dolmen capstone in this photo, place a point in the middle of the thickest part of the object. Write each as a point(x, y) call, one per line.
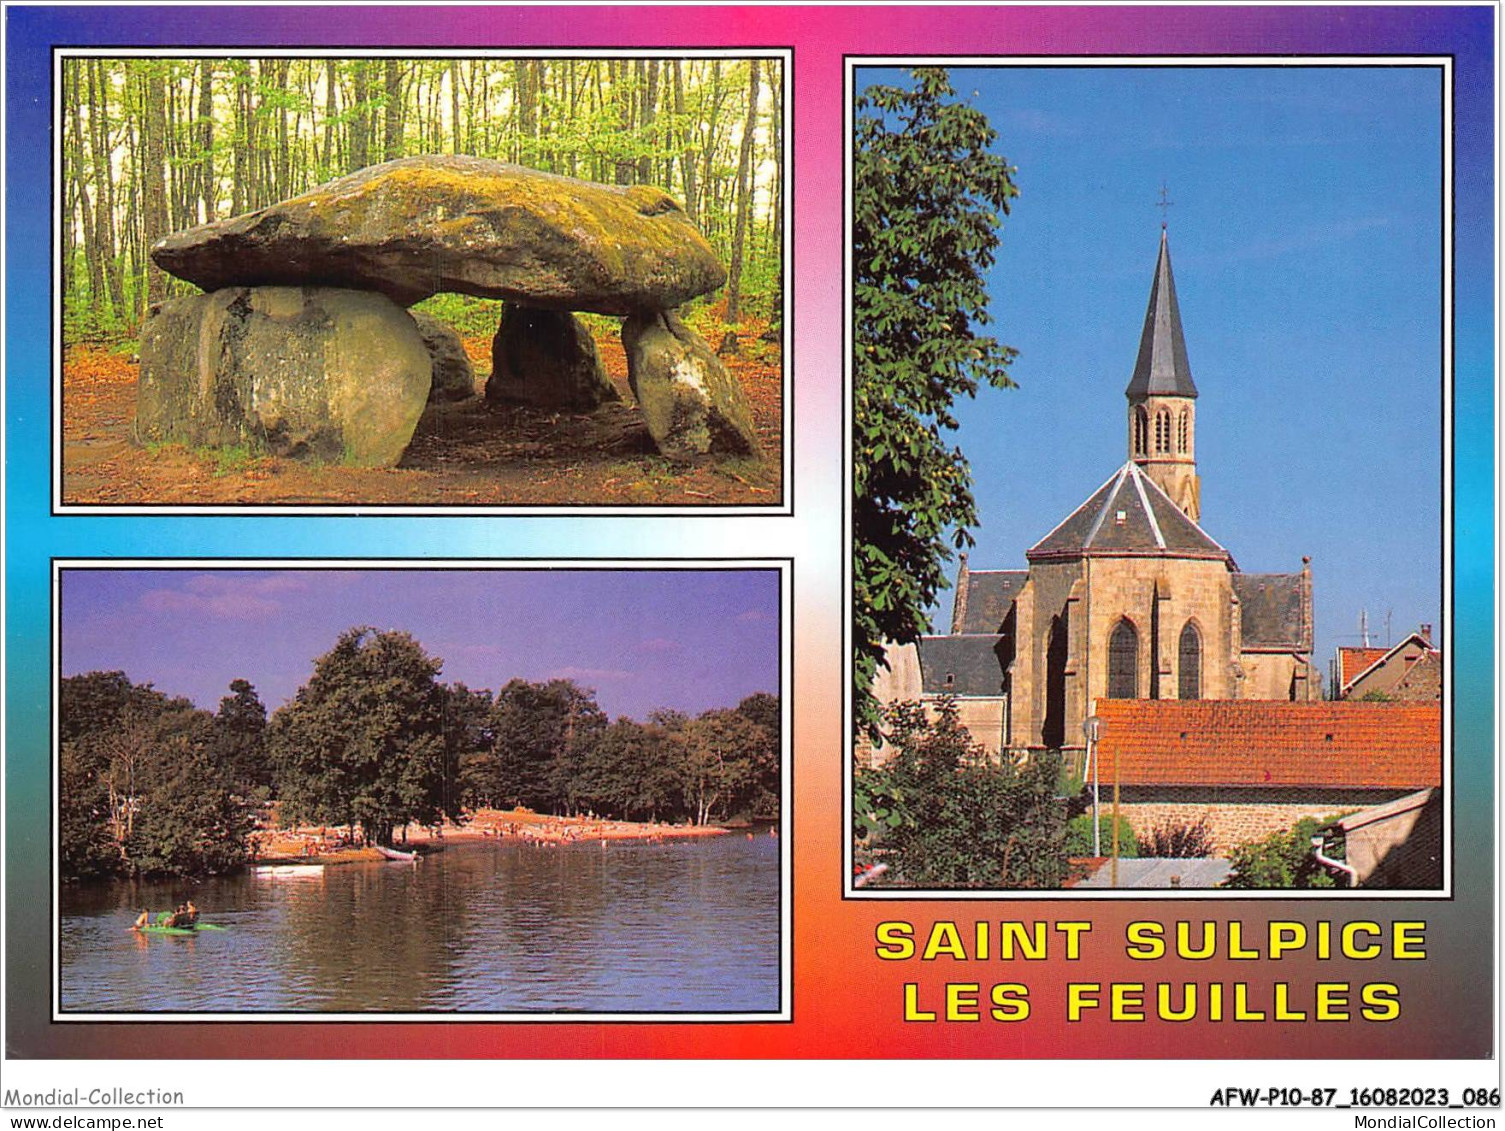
point(302, 343)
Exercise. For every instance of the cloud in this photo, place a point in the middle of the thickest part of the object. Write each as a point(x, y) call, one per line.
point(590, 675)
point(228, 596)
point(657, 646)
point(225, 605)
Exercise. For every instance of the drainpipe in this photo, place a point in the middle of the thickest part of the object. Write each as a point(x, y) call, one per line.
point(1327, 861)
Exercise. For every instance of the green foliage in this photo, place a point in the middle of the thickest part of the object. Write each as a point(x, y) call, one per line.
point(239, 741)
point(1281, 860)
point(1079, 835)
point(928, 198)
point(1182, 841)
point(142, 791)
point(362, 742)
point(468, 316)
point(944, 816)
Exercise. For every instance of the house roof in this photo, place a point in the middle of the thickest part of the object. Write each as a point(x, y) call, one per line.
point(1352, 662)
point(989, 595)
point(1271, 744)
point(1384, 812)
point(972, 663)
point(1384, 657)
point(1129, 515)
point(1273, 612)
point(1161, 368)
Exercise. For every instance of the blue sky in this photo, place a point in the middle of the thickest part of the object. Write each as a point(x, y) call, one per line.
point(684, 639)
point(1305, 240)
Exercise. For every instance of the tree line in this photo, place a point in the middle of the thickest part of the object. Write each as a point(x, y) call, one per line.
point(154, 145)
point(154, 785)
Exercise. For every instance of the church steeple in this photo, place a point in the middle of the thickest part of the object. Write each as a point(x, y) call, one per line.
point(1162, 396)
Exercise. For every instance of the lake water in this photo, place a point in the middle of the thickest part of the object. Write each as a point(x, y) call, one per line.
point(682, 926)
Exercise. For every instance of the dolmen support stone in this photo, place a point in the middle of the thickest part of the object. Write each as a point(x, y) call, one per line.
point(315, 372)
point(693, 406)
point(548, 359)
point(454, 376)
point(226, 367)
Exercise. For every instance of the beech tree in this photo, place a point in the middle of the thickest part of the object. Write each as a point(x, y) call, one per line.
point(928, 197)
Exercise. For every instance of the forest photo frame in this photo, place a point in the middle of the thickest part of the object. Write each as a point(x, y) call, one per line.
point(678, 120)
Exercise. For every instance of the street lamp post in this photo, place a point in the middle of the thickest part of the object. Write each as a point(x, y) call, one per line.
point(1092, 728)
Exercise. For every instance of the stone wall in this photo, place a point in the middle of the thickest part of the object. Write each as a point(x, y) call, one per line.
point(1237, 816)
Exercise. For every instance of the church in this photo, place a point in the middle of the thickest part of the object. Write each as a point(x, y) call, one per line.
point(1128, 597)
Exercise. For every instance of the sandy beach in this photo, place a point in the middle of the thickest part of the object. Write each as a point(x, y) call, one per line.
point(334, 845)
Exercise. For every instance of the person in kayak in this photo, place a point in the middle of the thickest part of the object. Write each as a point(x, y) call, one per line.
point(143, 921)
point(180, 918)
point(192, 912)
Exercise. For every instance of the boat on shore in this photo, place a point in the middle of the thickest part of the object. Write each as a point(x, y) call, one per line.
point(289, 870)
point(395, 853)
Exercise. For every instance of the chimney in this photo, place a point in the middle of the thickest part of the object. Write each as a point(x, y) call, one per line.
point(959, 605)
point(1426, 633)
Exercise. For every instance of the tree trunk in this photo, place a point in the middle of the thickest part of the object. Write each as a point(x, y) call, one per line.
point(392, 123)
point(454, 104)
point(86, 225)
point(154, 193)
point(207, 184)
point(645, 121)
point(744, 198)
point(356, 146)
point(331, 112)
point(686, 149)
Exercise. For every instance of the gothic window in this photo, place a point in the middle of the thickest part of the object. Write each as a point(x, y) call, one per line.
point(1162, 431)
point(1123, 662)
point(1183, 439)
point(1141, 432)
point(1190, 664)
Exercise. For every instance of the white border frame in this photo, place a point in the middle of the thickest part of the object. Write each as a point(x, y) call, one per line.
point(785, 57)
point(783, 566)
point(1446, 311)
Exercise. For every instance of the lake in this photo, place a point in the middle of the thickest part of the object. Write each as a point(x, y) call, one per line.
point(683, 926)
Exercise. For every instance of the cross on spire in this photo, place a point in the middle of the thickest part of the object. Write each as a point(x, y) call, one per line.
point(1163, 203)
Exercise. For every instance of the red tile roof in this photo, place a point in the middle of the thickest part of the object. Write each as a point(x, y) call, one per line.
point(1244, 742)
point(1352, 661)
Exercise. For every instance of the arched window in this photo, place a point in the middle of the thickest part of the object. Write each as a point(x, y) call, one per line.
point(1189, 684)
point(1141, 432)
point(1162, 431)
point(1183, 440)
point(1123, 662)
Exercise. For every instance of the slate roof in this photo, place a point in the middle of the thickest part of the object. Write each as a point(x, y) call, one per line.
point(1128, 516)
point(1161, 368)
point(1273, 612)
point(990, 593)
point(1271, 744)
point(972, 662)
point(1352, 661)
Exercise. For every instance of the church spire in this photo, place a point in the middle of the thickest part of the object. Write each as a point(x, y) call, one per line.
point(1161, 368)
point(1163, 397)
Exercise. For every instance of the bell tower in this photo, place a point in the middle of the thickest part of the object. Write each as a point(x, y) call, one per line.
point(1163, 398)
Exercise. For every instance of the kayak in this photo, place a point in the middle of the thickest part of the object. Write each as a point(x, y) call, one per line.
point(156, 930)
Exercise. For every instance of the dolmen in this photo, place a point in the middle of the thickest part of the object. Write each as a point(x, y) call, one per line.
point(302, 344)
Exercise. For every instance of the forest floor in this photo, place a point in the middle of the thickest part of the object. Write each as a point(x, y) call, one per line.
point(464, 453)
